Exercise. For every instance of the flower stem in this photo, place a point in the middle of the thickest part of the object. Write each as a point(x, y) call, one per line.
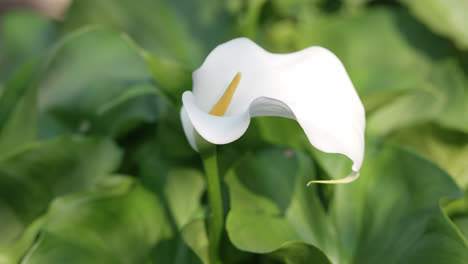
point(216, 218)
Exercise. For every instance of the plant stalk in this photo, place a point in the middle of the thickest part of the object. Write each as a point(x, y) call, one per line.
point(215, 218)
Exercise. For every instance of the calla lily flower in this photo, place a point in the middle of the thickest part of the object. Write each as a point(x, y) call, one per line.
point(240, 80)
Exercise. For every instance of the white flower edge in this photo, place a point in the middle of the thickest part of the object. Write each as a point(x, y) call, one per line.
point(310, 86)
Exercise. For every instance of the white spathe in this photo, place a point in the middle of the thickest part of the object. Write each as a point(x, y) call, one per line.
point(310, 86)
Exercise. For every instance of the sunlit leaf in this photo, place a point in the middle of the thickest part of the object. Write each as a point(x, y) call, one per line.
point(446, 148)
point(270, 204)
point(390, 214)
point(457, 210)
point(32, 177)
point(118, 222)
point(446, 17)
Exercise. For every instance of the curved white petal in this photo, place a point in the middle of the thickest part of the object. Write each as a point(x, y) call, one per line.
point(188, 129)
point(310, 86)
point(215, 129)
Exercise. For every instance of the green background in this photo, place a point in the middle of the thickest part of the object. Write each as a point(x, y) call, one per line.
point(95, 167)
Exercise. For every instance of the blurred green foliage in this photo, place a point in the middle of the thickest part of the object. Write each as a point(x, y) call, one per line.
point(95, 167)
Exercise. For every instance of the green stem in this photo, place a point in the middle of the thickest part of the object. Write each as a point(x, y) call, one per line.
point(215, 219)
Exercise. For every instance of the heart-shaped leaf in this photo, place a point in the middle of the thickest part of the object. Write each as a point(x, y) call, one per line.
point(390, 214)
point(31, 178)
point(446, 17)
point(118, 222)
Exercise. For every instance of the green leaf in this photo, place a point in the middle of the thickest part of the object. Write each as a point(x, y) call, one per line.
point(171, 139)
point(173, 77)
point(196, 237)
point(137, 105)
point(32, 177)
point(408, 110)
point(24, 34)
point(462, 224)
point(446, 17)
point(147, 22)
point(270, 205)
point(445, 101)
point(293, 8)
point(299, 253)
point(118, 222)
point(282, 131)
point(452, 82)
point(196, 28)
point(446, 148)
point(180, 189)
point(394, 207)
point(457, 210)
point(248, 22)
point(15, 90)
point(183, 190)
point(126, 96)
point(355, 4)
point(90, 70)
point(390, 214)
point(18, 110)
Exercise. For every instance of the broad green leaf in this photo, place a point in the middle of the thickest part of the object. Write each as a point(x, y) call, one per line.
point(196, 237)
point(165, 144)
point(391, 214)
point(282, 131)
point(446, 17)
point(14, 252)
point(183, 191)
point(18, 110)
point(118, 222)
point(412, 109)
point(299, 253)
point(140, 90)
point(24, 35)
point(171, 139)
point(392, 211)
point(33, 176)
point(457, 210)
point(196, 27)
point(88, 72)
point(124, 117)
point(180, 189)
point(446, 148)
point(462, 224)
point(270, 205)
point(452, 83)
point(175, 177)
point(148, 22)
point(15, 90)
point(173, 77)
point(208, 22)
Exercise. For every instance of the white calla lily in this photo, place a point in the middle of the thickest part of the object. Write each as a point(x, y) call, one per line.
point(239, 80)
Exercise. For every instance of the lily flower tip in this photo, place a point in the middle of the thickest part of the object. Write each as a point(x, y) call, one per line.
point(348, 179)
